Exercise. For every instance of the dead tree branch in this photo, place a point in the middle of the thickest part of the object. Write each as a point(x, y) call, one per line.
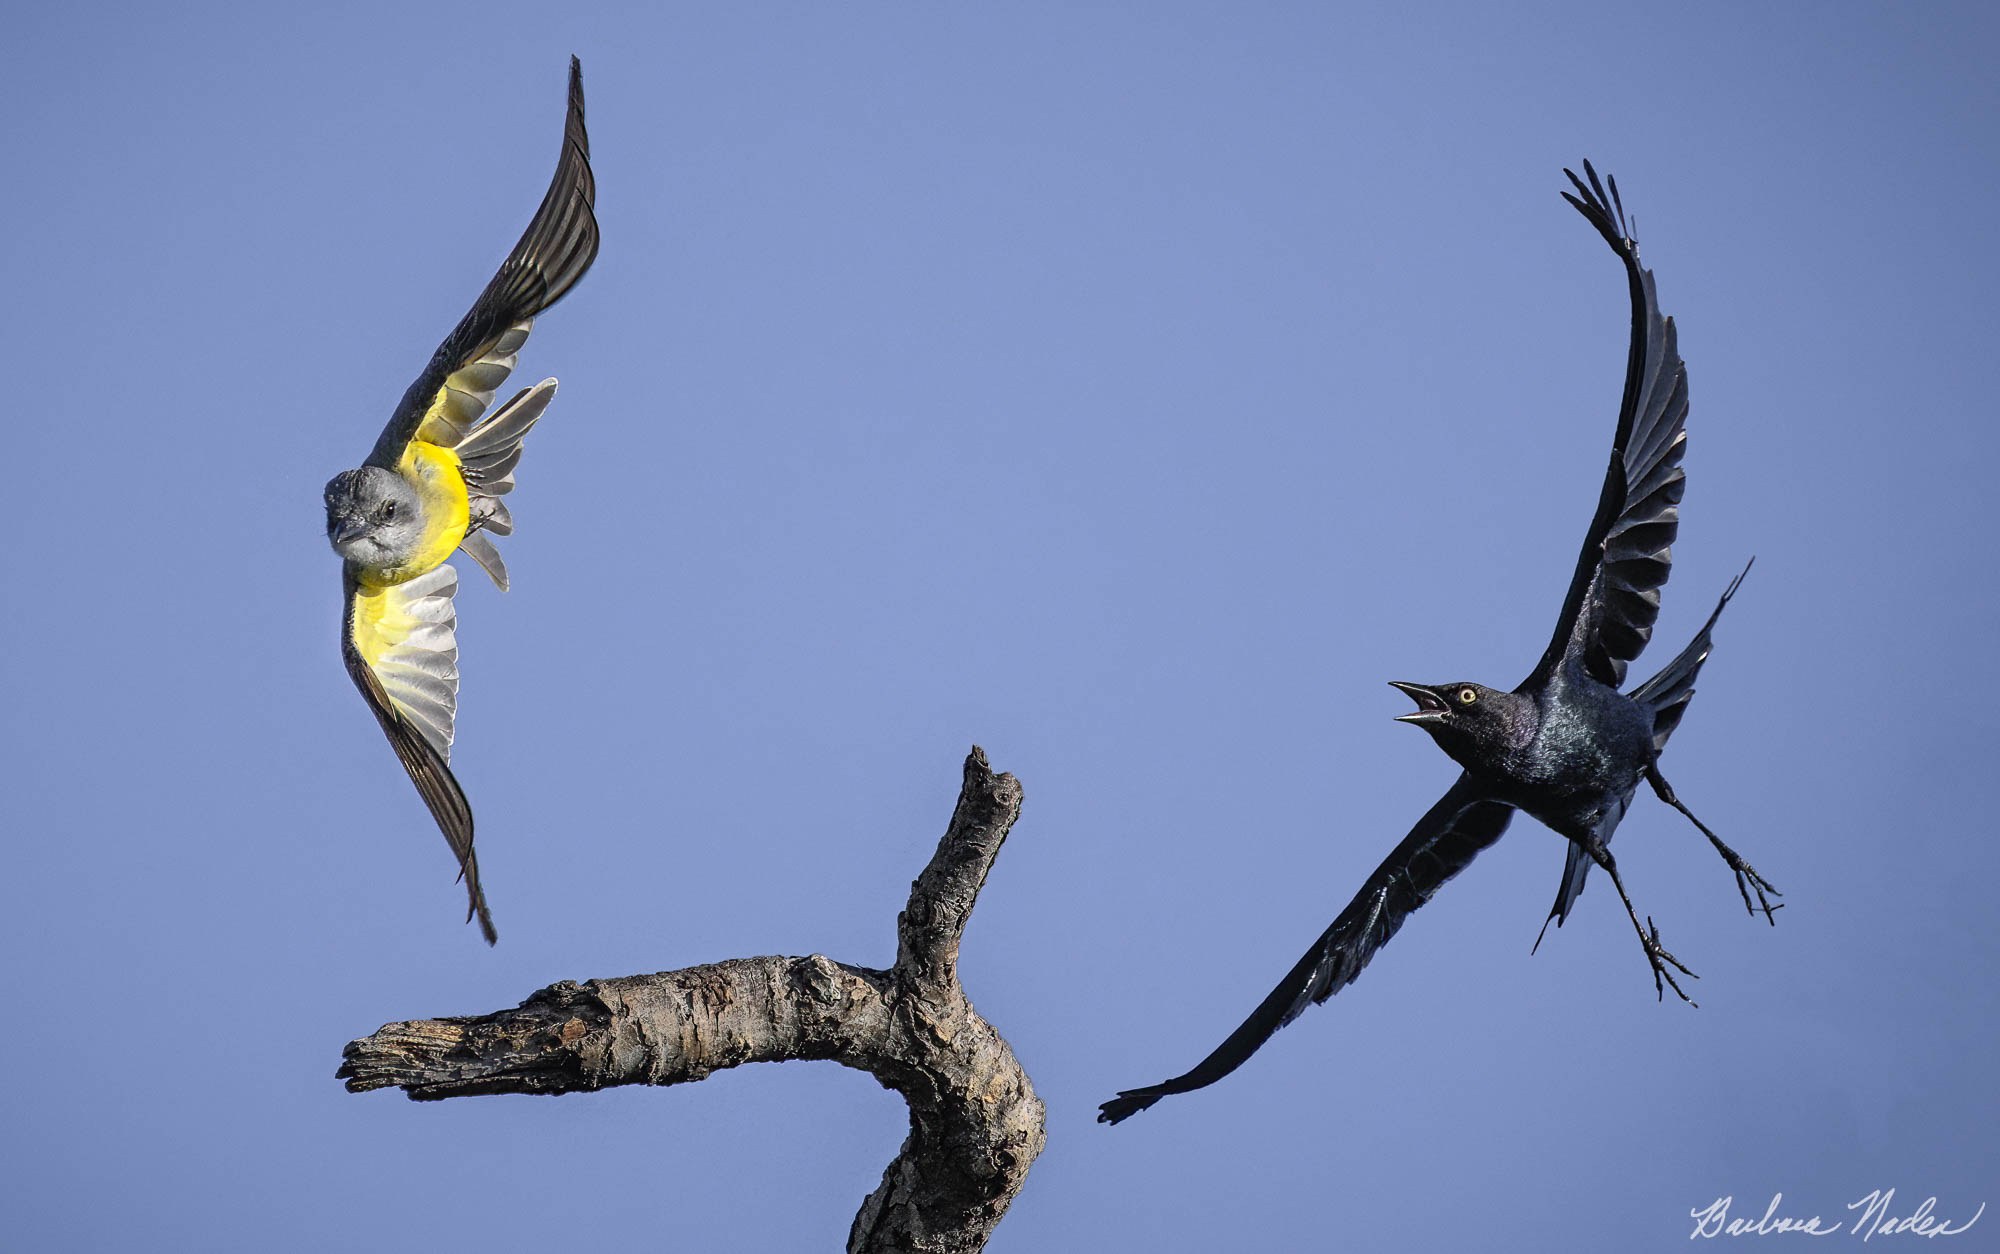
point(975, 1122)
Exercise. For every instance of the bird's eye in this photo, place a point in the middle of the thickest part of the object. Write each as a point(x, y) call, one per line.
point(389, 509)
point(1466, 696)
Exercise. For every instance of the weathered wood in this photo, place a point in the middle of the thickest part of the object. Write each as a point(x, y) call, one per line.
point(975, 1123)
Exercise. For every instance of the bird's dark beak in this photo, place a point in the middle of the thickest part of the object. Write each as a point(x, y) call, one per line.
point(1430, 706)
point(343, 530)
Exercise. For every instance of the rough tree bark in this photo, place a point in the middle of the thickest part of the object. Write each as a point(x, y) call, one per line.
point(975, 1122)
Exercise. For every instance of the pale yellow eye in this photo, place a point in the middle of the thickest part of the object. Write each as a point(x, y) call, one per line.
point(1466, 696)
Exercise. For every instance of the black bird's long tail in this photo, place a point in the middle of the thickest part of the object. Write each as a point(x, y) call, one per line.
point(1667, 695)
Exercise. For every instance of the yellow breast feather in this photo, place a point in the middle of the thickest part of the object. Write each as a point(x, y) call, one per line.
point(439, 481)
point(447, 510)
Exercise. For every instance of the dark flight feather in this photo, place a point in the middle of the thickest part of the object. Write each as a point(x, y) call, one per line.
point(1614, 596)
point(1441, 845)
point(552, 254)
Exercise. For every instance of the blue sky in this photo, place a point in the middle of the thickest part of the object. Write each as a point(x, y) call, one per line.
point(1130, 390)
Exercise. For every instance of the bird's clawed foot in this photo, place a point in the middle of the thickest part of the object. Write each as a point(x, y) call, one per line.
point(1748, 880)
point(1657, 954)
point(1649, 932)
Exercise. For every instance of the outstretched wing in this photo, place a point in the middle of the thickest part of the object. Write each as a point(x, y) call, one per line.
point(1441, 845)
point(1614, 597)
point(475, 359)
point(400, 649)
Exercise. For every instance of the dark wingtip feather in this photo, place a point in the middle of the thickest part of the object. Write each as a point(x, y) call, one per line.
point(1125, 1105)
point(1737, 582)
point(1604, 209)
point(1596, 184)
point(1613, 206)
point(475, 896)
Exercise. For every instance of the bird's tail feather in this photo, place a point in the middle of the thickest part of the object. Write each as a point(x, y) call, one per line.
point(1574, 872)
point(1667, 694)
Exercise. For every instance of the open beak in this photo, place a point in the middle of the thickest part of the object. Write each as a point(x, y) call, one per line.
point(1430, 706)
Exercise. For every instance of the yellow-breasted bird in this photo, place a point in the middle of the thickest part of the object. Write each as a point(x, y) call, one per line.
point(433, 485)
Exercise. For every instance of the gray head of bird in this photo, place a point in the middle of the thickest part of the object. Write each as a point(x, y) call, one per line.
point(373, 516)
point(1471, 722)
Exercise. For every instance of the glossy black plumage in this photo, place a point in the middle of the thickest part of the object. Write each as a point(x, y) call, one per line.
point(1565, 746)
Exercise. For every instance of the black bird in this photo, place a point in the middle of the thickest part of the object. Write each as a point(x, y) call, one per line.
point(1566, 746)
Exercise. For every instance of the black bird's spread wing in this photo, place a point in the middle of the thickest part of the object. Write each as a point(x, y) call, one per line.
point(1614, 597)
point(553, 253)
point(1441, 845)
